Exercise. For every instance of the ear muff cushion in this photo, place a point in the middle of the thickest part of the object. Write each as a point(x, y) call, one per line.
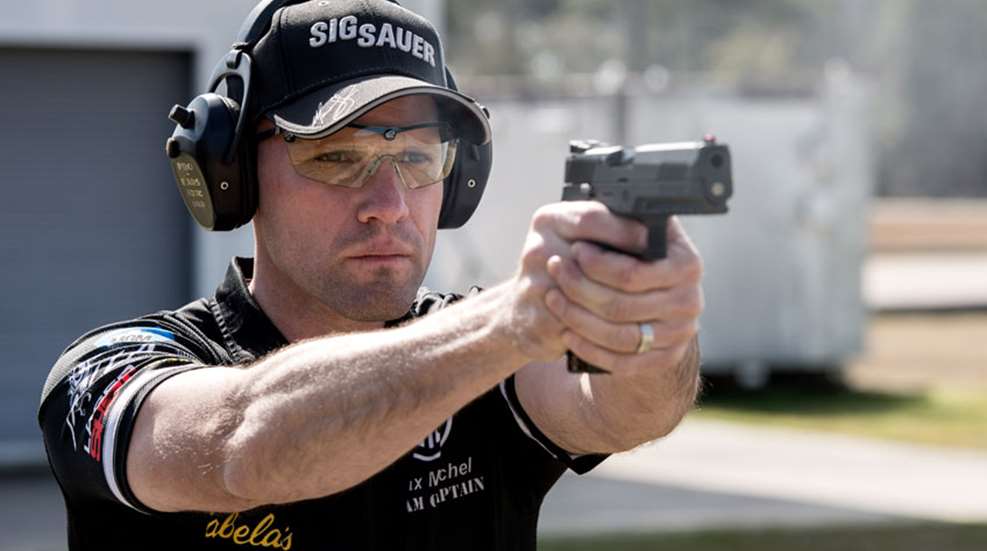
point(464, 187)
point(247, 155)
point(230, 173)
point(244, 166)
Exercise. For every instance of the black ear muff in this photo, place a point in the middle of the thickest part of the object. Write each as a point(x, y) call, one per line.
point(197, 152)
point(464, 187)
point(215, 185)
point(212, 155)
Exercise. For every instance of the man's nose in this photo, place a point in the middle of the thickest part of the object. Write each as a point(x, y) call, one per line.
point(385, 194)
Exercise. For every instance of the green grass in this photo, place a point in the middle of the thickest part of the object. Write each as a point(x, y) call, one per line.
point(924, 537)
point(944, 417)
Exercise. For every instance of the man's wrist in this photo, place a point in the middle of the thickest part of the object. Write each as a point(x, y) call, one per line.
point(648, 404)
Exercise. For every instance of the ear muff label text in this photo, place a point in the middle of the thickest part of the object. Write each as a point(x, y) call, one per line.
point(192, 185)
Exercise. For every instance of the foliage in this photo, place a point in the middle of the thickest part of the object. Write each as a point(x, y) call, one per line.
point(939, 418)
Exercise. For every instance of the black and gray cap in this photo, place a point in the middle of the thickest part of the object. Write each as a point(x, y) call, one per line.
point(324, 63)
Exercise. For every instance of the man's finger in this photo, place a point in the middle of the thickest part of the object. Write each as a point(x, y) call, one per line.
point(613, 304)
point(620, 271)
point(617, 337)
point(592, 221)
point(626, 364)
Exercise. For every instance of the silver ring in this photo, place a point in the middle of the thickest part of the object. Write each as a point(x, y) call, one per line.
point(647, 338)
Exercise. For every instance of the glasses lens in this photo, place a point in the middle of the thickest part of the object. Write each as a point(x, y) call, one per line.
point(423, 156)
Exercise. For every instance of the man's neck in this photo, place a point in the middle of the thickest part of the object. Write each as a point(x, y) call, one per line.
point(296, 313)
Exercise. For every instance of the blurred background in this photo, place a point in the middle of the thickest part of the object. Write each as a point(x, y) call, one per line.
point(845, 337)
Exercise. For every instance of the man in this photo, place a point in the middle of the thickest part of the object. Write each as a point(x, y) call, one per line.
point(312, 403)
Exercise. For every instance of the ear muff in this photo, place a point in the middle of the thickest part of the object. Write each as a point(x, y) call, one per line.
point(213, 166)
point(463, 188)
point(213, 157)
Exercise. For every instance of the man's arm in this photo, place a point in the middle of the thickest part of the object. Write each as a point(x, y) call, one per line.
point(586, 414)
point(317, 417)
point(322, 416)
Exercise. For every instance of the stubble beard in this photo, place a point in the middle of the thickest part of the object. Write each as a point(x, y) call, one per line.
point(383, 295)
point(354, 292)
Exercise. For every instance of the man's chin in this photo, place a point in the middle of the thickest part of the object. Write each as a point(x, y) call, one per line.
point(383, 299)
point(378, 311)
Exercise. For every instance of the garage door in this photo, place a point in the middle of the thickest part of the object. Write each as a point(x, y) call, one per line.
point(91, 227)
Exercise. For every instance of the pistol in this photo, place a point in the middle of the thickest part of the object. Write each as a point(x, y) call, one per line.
point(648, 183)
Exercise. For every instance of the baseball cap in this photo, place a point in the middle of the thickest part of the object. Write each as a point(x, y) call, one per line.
point(324, 63)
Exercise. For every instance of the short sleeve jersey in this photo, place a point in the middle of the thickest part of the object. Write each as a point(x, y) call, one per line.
point(476, 482)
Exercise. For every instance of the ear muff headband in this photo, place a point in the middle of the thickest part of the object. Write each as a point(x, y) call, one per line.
point(234, 70)
point(215, 166)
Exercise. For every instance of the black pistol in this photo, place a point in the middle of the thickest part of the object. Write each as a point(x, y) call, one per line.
point(648, 183)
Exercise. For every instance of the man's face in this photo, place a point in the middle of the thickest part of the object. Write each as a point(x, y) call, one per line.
point(360, 252)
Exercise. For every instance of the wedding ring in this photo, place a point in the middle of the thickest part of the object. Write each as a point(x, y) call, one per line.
point(647, 338)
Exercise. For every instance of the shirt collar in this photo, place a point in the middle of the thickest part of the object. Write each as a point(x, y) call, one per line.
point(248, 332)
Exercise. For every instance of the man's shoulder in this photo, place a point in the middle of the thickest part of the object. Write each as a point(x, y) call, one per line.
point(188, 332)
point(192, 326)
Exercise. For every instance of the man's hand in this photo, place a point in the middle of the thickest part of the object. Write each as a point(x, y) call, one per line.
point(578, 296)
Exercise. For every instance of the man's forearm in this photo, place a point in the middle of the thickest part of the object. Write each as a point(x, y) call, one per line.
point(324, 415)
point(638, 408)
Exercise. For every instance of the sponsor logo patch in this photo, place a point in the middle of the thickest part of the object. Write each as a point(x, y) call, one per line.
point(117, 354)
point(135, 335)
point(431, 448)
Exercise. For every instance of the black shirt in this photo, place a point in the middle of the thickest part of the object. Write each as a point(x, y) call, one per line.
point(476, 482)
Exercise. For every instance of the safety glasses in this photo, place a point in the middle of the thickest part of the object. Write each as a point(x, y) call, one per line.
point(422, 154)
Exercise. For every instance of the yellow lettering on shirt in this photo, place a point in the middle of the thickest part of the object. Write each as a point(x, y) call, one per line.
point(260, 535)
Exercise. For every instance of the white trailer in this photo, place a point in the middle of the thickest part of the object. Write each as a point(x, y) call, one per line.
point(783, 268)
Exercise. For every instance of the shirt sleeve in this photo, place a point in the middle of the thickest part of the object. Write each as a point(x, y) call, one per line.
point(91, 400)
point(580, 464)
point(427, 302)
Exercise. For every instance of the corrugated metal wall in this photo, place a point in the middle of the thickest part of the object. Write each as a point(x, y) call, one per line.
point(91, 228)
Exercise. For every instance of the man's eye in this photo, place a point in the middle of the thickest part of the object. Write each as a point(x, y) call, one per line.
point(416, 158)
point(337, 157)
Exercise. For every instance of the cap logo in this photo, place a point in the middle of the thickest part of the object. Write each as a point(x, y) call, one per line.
point(368, 35)
point(337, 106)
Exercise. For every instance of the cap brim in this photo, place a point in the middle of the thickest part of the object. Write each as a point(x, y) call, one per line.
point(326, 110)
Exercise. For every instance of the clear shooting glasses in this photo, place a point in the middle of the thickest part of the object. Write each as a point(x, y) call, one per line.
point(423, 154)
